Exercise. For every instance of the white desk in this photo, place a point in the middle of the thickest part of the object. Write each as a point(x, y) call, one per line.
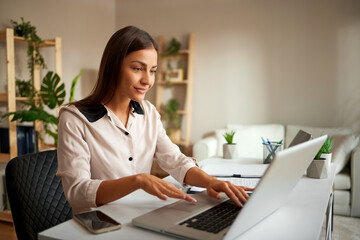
point(301, 217)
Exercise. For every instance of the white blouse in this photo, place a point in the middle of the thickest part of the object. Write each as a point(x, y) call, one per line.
point(94, 145)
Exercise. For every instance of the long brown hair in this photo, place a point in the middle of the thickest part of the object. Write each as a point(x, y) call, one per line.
point(122, 43)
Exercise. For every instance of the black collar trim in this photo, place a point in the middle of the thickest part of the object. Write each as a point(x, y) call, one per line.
point(94, 113)
point(137, 107)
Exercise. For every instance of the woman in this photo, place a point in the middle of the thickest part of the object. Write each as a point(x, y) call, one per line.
point(107, 141)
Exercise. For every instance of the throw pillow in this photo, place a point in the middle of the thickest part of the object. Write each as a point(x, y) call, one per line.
point(343, 145)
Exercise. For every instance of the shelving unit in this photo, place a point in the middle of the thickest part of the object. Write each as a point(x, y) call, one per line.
point(186, 85)
point(10, 97)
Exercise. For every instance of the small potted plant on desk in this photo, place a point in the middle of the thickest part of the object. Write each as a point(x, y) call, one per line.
point(320, 165)
point(230, 149)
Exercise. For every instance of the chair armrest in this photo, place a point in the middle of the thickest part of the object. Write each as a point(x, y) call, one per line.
point(355, 182)
point(205, 148)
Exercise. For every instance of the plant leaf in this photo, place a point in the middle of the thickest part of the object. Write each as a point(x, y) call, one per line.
point(32, 115)
point(73, 85)
point(51, 92)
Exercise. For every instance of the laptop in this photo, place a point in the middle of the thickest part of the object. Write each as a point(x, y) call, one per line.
point(183, 219)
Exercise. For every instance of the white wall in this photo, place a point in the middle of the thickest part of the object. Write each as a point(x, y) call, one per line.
point(278, 61)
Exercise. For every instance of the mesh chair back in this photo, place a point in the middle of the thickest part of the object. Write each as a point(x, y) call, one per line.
point(36, 196)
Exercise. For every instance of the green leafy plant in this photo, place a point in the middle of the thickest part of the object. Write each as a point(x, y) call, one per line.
point(171, 115)
point(52, 91)
point(326, 148)
point(52, 95)
point(25, 88)
point(229, 136)
point(73, 85)
point(173, 48)
point(29, 33)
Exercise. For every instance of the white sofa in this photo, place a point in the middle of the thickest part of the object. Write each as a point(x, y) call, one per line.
point(346, 154)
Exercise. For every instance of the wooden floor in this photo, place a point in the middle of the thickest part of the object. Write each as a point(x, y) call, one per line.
point(7, 231)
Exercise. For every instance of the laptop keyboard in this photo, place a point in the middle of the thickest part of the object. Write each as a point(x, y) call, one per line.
point(214, 219)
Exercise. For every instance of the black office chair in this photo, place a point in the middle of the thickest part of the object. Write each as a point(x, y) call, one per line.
point(36, 196)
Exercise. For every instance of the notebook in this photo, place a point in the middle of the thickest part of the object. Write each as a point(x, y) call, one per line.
point(183, 219)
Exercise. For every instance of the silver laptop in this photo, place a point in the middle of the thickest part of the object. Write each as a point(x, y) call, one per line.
point(184, 220)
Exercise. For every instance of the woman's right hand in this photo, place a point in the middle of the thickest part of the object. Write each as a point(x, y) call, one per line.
point(161, 189)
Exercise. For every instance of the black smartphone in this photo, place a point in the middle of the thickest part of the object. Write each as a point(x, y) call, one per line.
point(97, 221)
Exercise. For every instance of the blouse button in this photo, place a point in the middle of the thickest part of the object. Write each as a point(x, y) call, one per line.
point(126, 133)
point(130, 158)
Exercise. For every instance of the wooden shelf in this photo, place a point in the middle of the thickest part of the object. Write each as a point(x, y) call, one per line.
point(46, 147)
point(4, 157)
point(8, 37)
point(5, 216)
point(169, 84)
point(4, 98)
point(21, 40)
point(186, 87)
point(181, 142)
point(10, 97)
point(174, 57)
point(180, 112)
point(184, 51)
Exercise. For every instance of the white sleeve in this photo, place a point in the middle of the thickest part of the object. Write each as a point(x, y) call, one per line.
point(74, 163)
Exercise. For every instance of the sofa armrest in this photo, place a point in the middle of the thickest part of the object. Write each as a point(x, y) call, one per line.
point(205, 148)
point(355, 182)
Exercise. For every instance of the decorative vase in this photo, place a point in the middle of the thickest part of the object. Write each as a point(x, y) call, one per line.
point(318, 169)
point(230, 151)
point(327, 156)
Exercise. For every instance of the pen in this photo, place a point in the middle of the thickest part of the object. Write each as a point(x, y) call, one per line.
point(273, 151)
point(237, 176)
point(268, 141)
point(266, 145)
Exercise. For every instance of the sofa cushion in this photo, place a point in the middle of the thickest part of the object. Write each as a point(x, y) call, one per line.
point(248, 138)
point(343, 145)
point(292, 130)
point(342, 180)
point(342, 202)
point(342, 197)
point(344, 141)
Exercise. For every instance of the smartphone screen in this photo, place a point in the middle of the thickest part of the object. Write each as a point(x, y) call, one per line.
point(97, 221)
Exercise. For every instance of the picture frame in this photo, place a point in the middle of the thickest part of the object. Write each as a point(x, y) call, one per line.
point(174, 75)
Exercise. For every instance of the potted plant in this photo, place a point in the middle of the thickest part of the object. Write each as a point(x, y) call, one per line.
point(172, 119)
point(29, 32)
point(230, 149)
point(320, 165)
point(52, 95)
point(173, 63)
point(173, 48)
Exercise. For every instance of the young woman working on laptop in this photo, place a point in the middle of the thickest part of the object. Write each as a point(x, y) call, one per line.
point(107, 141)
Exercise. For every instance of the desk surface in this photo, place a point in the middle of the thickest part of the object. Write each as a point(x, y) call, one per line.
point(301, 217)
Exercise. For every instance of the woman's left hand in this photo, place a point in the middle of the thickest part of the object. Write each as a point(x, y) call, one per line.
point(236, 193)
point(196, 177)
